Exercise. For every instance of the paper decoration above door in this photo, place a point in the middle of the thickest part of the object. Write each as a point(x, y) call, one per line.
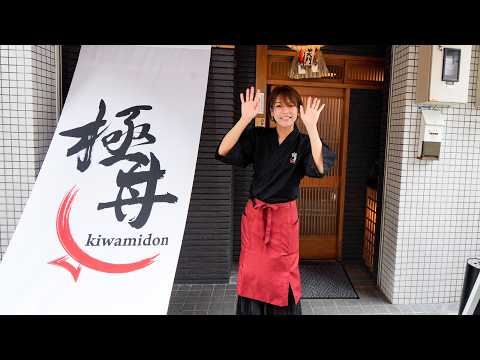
point(308, 63)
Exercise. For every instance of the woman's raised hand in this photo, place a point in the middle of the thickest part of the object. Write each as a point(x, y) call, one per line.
point(312, 112)
point(250, 104)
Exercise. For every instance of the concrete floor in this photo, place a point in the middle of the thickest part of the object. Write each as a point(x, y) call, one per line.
point(221, 299)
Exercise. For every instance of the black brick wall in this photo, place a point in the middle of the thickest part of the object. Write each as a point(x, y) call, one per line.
point(205, 256)
point(245, 77)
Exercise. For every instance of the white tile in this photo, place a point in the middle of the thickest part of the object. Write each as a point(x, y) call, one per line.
point(458, 158)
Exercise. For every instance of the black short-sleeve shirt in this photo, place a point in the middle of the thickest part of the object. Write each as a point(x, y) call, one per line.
point(278, 169)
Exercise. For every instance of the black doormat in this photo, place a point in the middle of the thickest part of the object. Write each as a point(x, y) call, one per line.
point(326, 280)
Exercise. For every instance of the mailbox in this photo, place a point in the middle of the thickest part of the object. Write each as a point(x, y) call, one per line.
point(431, 134)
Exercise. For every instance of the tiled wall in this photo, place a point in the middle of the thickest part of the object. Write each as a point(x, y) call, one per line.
point(432, 208)
point(27, 123)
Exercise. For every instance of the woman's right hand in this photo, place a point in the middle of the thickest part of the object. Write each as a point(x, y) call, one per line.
point(250, 104)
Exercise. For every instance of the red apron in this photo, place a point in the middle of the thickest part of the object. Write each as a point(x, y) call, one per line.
point(269, 252)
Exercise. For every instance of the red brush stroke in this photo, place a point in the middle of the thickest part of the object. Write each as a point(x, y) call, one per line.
point(62, 262)
point(71, 247)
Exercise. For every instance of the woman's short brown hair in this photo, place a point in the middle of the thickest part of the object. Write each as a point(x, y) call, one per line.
point(286, 93)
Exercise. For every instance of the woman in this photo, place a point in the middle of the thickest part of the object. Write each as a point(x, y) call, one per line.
point(268, 276)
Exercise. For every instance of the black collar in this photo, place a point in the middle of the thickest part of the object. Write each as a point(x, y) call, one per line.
point(290, 137)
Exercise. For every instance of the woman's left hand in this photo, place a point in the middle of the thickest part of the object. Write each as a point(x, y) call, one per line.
point(312, 112)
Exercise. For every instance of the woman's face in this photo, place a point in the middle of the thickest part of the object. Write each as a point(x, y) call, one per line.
point(284, 112)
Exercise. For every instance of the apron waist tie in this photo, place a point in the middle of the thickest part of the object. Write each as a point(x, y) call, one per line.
point(268, 208)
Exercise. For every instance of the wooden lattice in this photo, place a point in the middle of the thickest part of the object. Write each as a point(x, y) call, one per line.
point(370, 223)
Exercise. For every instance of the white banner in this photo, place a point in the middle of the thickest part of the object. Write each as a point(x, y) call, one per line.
point(102, 230)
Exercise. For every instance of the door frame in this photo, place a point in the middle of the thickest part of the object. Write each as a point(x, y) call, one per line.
point(262, 82)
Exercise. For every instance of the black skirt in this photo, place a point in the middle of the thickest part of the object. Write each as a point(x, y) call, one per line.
point(246, 306)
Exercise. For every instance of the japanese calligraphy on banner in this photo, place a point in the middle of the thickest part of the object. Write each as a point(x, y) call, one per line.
point(102, 230)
